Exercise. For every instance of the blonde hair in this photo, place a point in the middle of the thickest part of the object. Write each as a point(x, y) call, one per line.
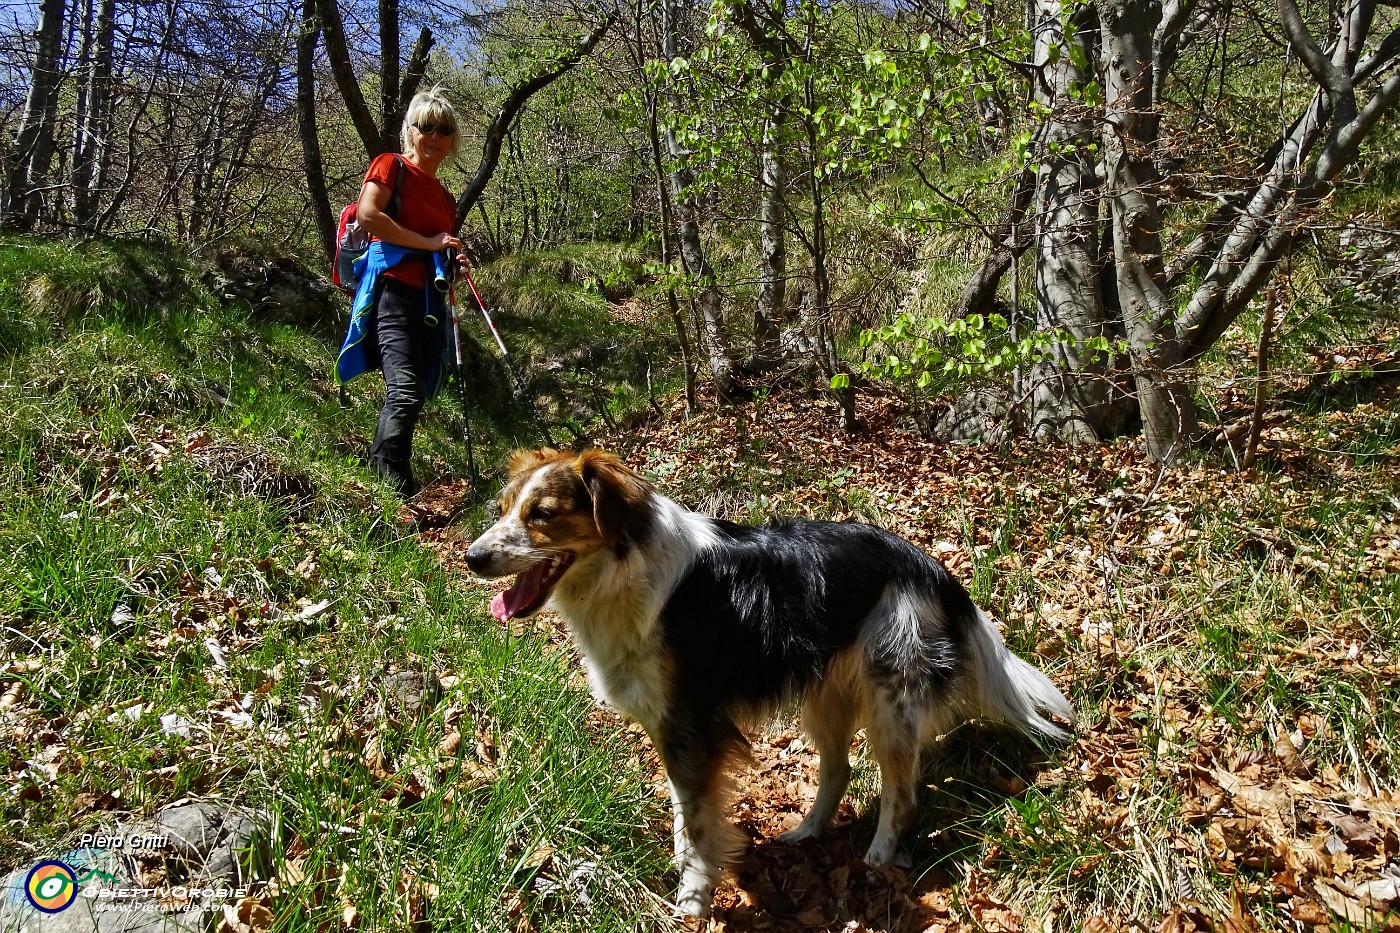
point(429, 107)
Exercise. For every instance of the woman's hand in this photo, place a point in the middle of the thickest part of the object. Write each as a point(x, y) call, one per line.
point(443, 241)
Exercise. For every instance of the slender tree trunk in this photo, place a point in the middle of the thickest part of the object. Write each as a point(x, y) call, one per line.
point(131, 164)
point(35, 133)
point(94, 123)
point(818, 324)
point(413, 73)
point(207, 154)
point(1069, 395)
point(237, 158)
point(1261, 383)
point(321, 212)
point(666, 225)
point(772, 237)
point(494, 242)
point(772, 212)
point(685, 215)
point(668, 255)
point(337, 50)
point(86, 26)
point(772, 175)
point(1130, 142)
point(389, 75)
point(687, 220)
point(45, 191)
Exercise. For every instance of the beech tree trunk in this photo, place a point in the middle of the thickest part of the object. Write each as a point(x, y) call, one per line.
point(685, 212)
point(321, 210)
point(772, 238)
point(93, 121)
point(33, 142)
point(1069, 394)
point(1129, 140)
point(772, 210)
point(1123, 287)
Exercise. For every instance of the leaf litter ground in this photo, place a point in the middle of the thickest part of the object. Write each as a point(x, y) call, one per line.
point(1228, 640)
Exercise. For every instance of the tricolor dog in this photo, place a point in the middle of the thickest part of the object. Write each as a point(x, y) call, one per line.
point(696, 626)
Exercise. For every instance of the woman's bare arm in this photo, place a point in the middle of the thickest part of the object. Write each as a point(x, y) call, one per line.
point(370, 211)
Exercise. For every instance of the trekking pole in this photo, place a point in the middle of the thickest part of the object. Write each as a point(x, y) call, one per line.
point(461, 390)
point(517, 386)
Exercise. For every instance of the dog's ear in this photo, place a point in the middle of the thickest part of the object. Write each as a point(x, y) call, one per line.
point(523, 461)
point(620, 497)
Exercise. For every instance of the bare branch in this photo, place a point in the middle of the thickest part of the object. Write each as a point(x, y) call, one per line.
point(414, 71)
point(511, 107)
point(333, 29)
point(1332, 78)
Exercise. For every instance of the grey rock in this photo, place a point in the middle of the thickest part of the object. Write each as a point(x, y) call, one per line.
point(411, 693)
point(1370, 260)
point(193, 829)
point(275, 288)
point(241, 855)
point(202, 846)
point(980, 415)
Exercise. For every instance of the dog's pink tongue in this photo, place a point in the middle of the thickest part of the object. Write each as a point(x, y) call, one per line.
point(522, 593)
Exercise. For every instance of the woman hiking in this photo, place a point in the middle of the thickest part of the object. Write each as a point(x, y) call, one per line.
point(402, 322)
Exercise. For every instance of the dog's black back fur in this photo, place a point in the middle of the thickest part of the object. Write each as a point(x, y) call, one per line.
point(757, 621)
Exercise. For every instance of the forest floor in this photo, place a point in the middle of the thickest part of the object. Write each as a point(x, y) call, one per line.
point(1230, 641)
point(207, 600)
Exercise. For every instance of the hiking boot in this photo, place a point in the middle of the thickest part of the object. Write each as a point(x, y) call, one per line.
point(402, 482)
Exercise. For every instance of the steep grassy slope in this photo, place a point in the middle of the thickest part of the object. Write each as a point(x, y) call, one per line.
point(206, 597)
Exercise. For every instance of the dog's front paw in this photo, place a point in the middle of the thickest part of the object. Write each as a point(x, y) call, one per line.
point(803, 831)
point(884, 852)
point(694, 901)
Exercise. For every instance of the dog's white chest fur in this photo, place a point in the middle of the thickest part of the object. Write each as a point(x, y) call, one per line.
point(613, 608)
point(613, 623)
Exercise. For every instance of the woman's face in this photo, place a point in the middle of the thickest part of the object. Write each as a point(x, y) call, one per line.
point(432, 141)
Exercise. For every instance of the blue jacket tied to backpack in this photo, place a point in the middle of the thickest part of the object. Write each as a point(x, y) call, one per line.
point(357, 356)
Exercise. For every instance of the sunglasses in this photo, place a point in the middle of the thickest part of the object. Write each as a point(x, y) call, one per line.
point(439, 129)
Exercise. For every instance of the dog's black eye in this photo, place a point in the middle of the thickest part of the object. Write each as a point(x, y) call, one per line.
point(539, 514)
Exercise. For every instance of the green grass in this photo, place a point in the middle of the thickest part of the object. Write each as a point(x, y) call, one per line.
point(558, 313)
point(176, 475)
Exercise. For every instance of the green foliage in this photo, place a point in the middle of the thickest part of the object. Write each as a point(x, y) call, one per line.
point(923, 354)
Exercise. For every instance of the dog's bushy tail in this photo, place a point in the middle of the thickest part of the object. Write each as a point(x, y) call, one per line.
point(1011, 689)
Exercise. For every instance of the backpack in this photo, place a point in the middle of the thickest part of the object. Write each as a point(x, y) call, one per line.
point(352, 241)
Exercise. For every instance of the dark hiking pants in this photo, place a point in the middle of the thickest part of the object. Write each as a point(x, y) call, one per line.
point(407, 350)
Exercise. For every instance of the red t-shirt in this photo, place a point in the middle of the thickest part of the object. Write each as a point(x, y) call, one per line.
point(425, 207)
